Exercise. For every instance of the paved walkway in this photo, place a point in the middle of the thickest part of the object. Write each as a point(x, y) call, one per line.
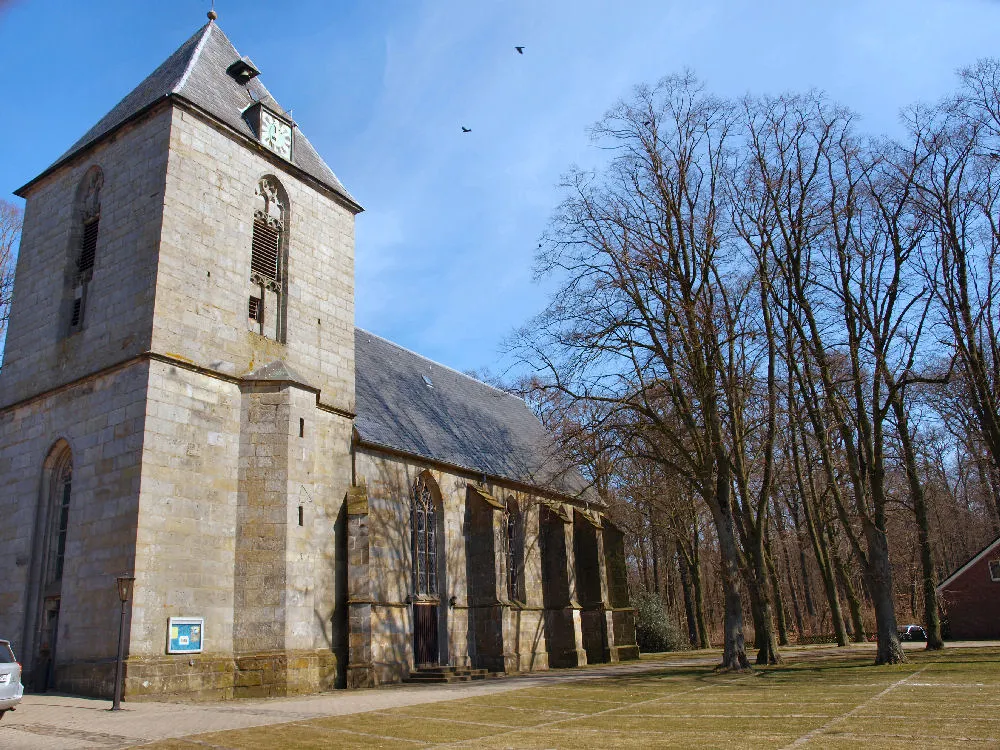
point(63, 722)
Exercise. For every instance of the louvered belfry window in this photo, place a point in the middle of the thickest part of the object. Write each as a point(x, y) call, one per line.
point(88, 249)
point(88, 209)
point(266, 248)
point(77, 312)
point(266, 306)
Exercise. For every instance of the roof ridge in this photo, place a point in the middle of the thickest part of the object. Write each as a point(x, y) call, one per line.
point(207, 32)
point(446, 367)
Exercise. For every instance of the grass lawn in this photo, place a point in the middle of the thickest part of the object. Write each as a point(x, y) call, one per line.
point(827, 699)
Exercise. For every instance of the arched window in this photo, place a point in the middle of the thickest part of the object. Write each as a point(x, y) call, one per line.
point(59, 496)
point(85, 242)
point(50, 553)
point(514, 550)
point(424, 525)
point(266, 307)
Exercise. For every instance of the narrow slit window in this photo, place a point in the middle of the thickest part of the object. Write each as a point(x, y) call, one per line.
point(255, 308)
point(301, 516)
point(302, 427)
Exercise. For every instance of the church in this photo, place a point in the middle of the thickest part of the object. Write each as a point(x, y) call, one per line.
point(304, 505)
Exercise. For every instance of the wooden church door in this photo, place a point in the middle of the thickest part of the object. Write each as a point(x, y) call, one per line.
point(425, 634)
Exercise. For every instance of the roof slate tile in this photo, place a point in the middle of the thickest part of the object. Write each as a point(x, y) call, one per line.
point(196, 72)
point(457, 420)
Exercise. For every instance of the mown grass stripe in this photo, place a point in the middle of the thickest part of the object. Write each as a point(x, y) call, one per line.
point(821, 730)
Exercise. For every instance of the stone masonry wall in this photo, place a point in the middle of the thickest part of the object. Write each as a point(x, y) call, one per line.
point(389, 480)
point(189, 525)
point(190, 532)
point(201, 297)
point(102, 420)
point(39, 353)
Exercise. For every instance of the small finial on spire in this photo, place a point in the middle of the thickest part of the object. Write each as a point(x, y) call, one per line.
point(212, 15)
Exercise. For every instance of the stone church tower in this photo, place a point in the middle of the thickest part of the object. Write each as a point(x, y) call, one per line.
point(179, 379)
point(304, 505)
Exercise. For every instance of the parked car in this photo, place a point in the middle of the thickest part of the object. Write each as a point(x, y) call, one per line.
point(11, 689)
point(912, 633)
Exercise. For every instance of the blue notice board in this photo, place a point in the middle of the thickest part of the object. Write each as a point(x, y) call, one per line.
point(185, 635)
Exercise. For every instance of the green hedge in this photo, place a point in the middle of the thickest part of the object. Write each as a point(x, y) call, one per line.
point(654, 629)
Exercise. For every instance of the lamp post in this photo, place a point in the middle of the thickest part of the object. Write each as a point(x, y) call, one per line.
point(124, 583)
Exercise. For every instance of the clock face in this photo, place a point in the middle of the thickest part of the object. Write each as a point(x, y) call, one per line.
point(275, 134)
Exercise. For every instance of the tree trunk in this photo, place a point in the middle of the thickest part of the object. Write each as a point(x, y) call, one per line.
point(796, 609)
point(817, 537)
point(699, 594)
point(656, 556)
point(853, 600)
point(643, 561)
point(823, 553)
point(878, 578)
point(932, 622)
point(734, 654)
point(692, 624)
point(779, 603)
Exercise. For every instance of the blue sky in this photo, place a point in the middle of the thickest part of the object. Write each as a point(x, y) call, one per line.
point(445, 246)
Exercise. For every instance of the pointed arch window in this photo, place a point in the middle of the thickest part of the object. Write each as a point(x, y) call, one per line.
point(62, 490)
point(424, 525)
point(514, 550)
point(59, 489)
point(266, 305)
point(89, 216)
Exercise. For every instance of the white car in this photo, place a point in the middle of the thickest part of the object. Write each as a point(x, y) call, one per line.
point(11, 689)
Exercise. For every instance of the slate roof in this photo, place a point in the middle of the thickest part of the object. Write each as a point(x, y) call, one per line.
point(196, 72)
point(455, 420)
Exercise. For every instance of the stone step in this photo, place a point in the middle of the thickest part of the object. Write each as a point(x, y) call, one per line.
point(437, 678)
point(447, 674)
point(437, 670)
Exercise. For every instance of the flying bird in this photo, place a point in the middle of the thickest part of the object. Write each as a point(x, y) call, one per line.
point(520, 50)
point(466, 130)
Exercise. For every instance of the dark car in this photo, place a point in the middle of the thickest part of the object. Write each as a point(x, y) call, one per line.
point(912, 633)
point(11, 689)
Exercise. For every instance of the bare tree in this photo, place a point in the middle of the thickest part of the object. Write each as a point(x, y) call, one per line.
point(849, 293)
point(959, 193)
point(635, 322)
point(10, 234)
point(745, 296)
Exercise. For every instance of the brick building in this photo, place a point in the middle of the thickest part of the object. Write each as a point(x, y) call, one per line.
point(185, 397)
point(970, 597)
